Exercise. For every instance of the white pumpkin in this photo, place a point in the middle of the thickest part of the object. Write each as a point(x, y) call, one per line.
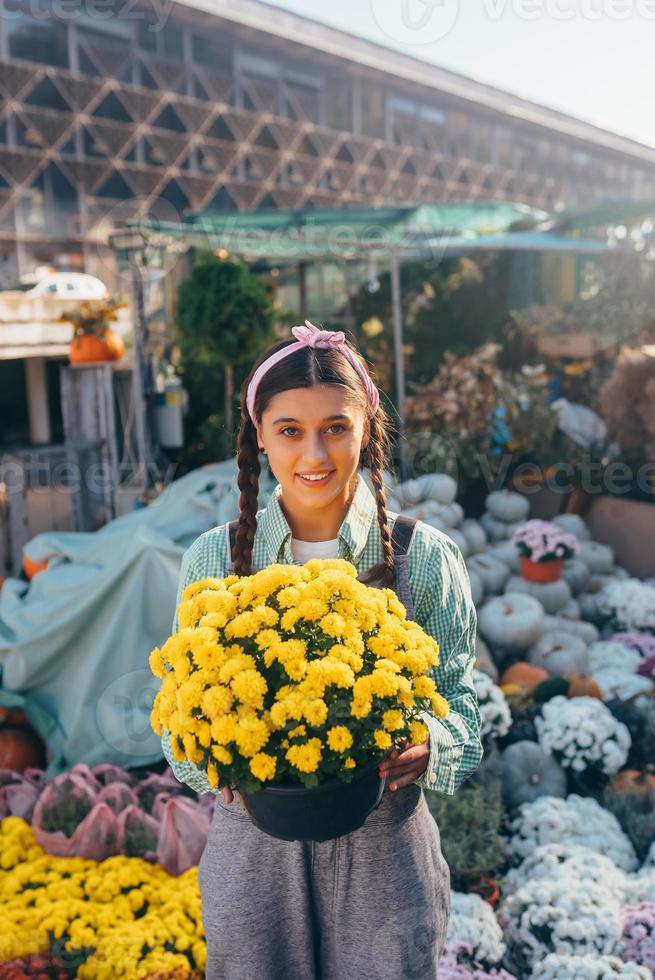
point(573, 524)
point(577, 574)
point(560, 654)
point(409, 492)
point(393, 504)
point(506, 552)
point(571, 610)
point(437, 486)
point(494, 573)
point(498, 530)
point(508, 507)
point(586, 631)
point(475, 534)
point(598, 557)
point(477, 587)
point(434, 520)
point(454, 514)
point(513, 621)
point(553, 596)
point(455, 535)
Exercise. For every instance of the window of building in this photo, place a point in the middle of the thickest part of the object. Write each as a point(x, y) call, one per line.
point(373, 110)
point(165, 40)
point(214, 50)
point(301, 101)
point(339, 104)
point(39, 38)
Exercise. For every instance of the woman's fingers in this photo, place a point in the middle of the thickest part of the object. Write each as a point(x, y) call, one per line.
point(411, 756)
point(228, 795)
point(404, 778)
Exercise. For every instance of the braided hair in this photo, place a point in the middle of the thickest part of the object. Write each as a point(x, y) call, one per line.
point(304, 369)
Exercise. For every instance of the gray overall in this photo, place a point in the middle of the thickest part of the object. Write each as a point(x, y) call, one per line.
point(371, 905)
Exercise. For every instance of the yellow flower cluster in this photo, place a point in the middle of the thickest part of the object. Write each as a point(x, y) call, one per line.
point(295, 673)
point(121, 917)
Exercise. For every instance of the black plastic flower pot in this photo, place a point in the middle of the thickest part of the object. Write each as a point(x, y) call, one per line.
point(291, 812)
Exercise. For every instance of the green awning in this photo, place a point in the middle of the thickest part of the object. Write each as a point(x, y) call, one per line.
point(423, 231)
point(602, 213)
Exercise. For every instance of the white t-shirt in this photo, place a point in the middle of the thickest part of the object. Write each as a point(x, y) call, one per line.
point(304, 550)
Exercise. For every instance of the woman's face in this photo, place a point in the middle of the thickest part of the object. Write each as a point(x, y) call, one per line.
point(314, 431)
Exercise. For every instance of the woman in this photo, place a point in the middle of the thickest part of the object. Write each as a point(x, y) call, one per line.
point(373, 903)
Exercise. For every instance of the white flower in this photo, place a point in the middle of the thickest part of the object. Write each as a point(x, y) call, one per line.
point(472, 922)
point(568, 862)
point(575, 820)
point(495, 714)
point(630, 603)
point(612, 665)
point(640, 887)
point(582, 733)
point(560, 916)
point(554, 967)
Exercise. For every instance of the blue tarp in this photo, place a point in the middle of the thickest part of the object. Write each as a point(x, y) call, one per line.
point(74, 642)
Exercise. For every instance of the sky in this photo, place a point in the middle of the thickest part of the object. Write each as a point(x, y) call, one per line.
point(590, 58)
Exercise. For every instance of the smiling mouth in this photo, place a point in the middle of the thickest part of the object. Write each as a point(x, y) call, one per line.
point(316, 478)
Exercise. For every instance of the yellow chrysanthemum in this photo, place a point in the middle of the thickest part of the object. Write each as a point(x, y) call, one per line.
point(300, 731)
point(339, 738)
point(156, 663)
point(418, 732)
point(224, 729)
point(382, 738)
point(252, 734)
point(216, 701)
point(305, 757)
point(223, 755)
point(349, 763)
point(262, 766)
point(439, 706)
point(249, 687)
point(392, 720)
point(424, 687)
point(212, 775)
point(315, 712)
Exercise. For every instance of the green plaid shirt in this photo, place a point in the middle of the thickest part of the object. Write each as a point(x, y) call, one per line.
point(441, 592)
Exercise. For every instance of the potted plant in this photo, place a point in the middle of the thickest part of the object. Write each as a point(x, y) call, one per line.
point(93, 337)
point(291, 685)
point(543, 548)
point(470, 828)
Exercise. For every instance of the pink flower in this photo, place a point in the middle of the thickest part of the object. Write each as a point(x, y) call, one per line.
point(544, 541)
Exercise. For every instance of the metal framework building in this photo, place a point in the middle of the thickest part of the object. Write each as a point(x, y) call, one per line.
point(169, 108)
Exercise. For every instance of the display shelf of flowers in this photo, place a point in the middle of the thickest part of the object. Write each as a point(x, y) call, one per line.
point(290, 685)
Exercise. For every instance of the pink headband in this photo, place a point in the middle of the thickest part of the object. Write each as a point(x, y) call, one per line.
point(311, 336)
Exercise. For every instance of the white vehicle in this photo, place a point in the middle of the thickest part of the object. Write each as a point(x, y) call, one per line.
point(63, 285)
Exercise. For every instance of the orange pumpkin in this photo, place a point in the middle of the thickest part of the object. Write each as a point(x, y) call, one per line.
point(31, 567)
point(114, 345)
point(12, 716)
point(20, 748)
point(637, 782)
point(584, 686)
point(86, 348)
point(526, 675)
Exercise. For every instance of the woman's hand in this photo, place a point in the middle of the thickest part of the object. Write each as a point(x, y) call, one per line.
point(228, 795)
point(402, 767)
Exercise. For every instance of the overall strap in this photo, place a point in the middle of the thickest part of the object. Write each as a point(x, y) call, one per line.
point(402, 536)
